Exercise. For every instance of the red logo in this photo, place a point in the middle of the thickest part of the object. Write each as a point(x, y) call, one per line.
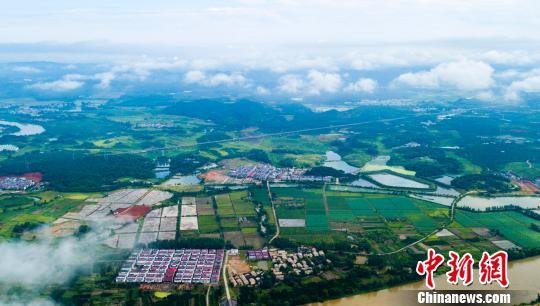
point(460, 268)
point(429, 266)
point(494, 268)
point(491, 268)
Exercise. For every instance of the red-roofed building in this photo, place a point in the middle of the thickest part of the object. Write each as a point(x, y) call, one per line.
point(133, 212)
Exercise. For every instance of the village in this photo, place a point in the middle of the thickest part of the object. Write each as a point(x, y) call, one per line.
point(266, 172)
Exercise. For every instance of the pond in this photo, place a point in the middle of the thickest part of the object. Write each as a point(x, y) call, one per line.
point(333, 160)
point(183, 180)
point(484, 203)
point(24, 129)
point(392, 180)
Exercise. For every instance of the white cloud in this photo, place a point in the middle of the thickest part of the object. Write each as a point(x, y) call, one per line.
point(218, 79)
point(26, 69)
point(262, 90)
point(530, 84)
point(233, 79)
point(362, 85)
point(487, 95)
point(67, 83)
point(194, 76)
point(323, 82)
point(466, 75)
point(315, 83)
point(105, 79)
point(291, 83)
point(516, 57)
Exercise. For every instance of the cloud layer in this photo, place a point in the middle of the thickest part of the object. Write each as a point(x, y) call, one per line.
point(463, 75)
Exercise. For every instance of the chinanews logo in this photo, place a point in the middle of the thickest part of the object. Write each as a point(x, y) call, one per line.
point(491, 268)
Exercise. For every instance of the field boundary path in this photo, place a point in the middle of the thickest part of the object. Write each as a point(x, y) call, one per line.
point(208, 296)
point(274, 212)
point(325, 202)
point(227, 292)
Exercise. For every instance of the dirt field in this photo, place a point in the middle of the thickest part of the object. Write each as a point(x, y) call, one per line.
point(189, 223)
point(236, 238)
point(237, 265)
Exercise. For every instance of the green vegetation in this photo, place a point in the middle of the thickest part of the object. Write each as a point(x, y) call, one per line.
point(66, 171)
point(511, 225)
point(20, 213)
point(488, 182)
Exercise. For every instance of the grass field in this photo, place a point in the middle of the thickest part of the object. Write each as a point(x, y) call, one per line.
point(208, 224)
point(511, 225)
point(35, 208)
point(224, 205)
point(241, 203)
point(351, 207)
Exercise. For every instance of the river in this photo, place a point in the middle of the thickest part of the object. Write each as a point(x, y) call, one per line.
point(523, 275)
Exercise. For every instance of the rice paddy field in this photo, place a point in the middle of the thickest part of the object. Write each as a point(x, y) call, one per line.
point(308, 204)
point(382, 218)
point(511, 225)
point(358, 208)
point(236, 212)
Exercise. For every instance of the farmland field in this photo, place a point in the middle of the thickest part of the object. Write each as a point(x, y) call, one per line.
point(208, 224)
point(511, 225)
point(241, 203)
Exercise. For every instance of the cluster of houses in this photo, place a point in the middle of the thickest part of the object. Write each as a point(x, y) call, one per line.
point(262, 254)
point(266, 172)
point(246, 279)
point(167, 266)
point(20, 183)
point(303, 262)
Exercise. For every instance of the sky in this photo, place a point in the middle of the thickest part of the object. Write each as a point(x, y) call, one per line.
point(267, 22)
point(487, 49)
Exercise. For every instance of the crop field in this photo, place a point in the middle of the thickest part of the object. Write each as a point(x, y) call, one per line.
point(510, 224)
point(224, 205)
point(367, 208)
point(308, 204)
point(241, 203)
point(208, 224)
point(236, 214)
point(34, 209)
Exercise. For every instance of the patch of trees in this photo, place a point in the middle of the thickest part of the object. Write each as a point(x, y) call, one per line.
point(488, 182)
point(257, 155)
point(353, 280)
point(425, 161)
point(253, 154)
point(496, 155)
point(353, 143)
point(245, 113)
point(213, 136)
point(326, 171)
point(65, 171)
point(19, 229)
point(187, 163)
